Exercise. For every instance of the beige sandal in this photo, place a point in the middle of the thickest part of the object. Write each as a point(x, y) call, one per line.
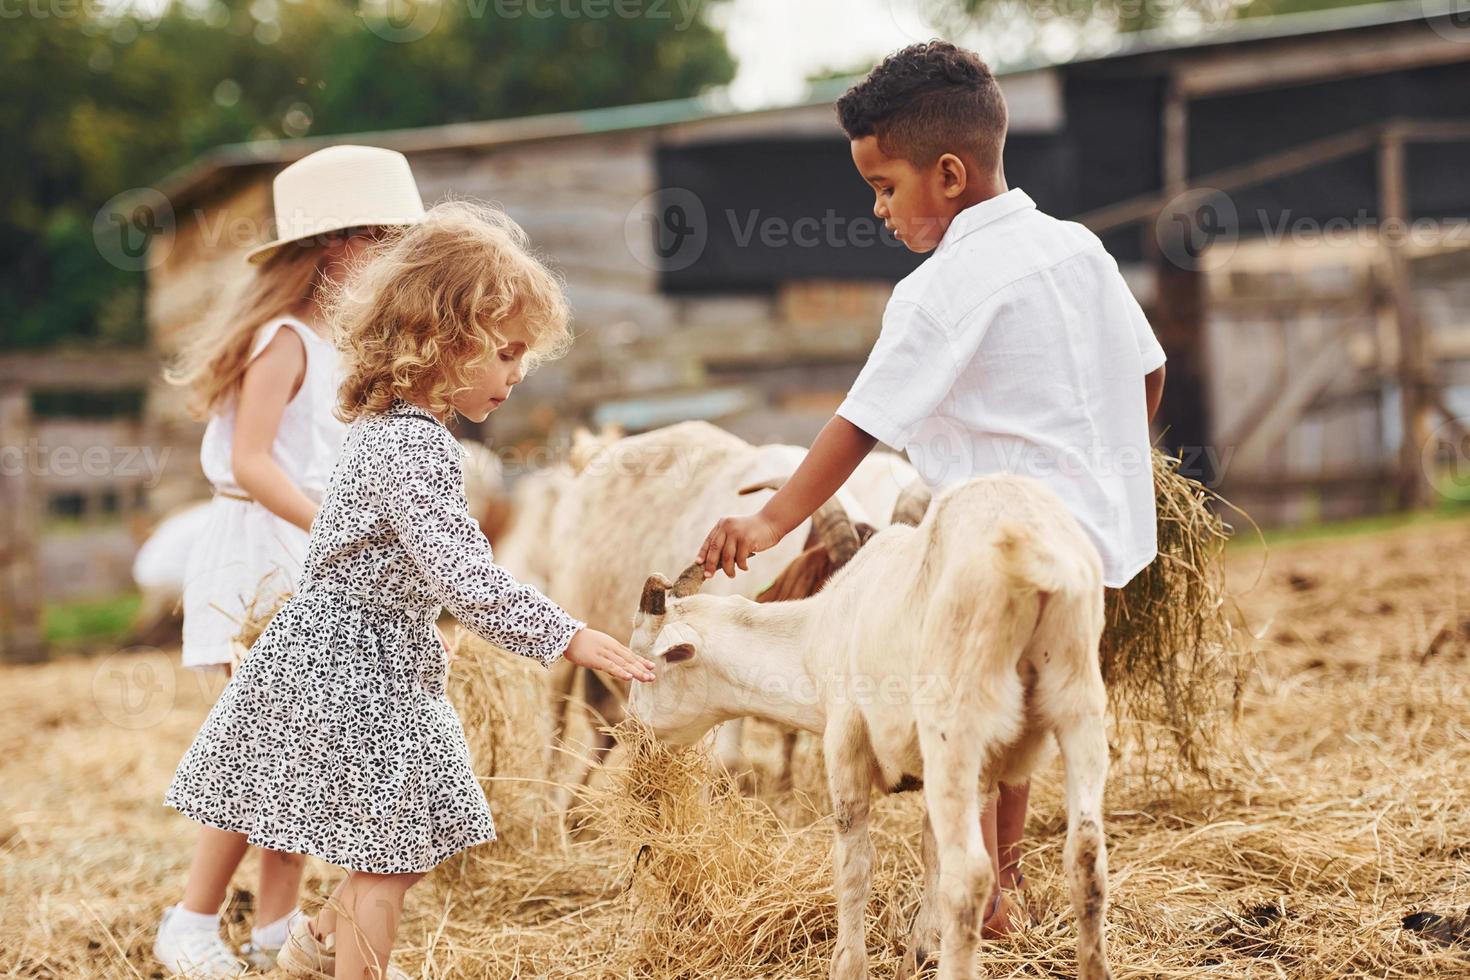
point(304, 955)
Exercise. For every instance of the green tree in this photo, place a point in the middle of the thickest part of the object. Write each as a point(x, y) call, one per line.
point(99, 102)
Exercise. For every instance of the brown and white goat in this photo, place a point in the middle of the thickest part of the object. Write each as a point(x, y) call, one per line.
point(946, 654)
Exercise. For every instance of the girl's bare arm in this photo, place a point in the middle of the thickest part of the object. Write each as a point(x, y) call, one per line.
point(270, 381)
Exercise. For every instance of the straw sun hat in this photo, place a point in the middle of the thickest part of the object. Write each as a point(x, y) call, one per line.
point(338, 188)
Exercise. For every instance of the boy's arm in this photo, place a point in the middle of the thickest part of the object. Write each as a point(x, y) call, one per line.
point(837, 451)
point(1153, 390)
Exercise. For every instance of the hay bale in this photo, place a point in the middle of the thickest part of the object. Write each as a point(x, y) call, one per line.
point(1171, 658)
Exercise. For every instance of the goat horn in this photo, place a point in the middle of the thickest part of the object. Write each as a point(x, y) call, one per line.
point(774, 483)
point(690, 580)
point(835, 530)
point(911, 504)
point(652, 600)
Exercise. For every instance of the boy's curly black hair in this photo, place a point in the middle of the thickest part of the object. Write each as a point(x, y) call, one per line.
point(927, 100)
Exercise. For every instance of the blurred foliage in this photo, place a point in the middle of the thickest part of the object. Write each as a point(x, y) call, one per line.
point(101, 99)
point(1058, 28)
point(89, 623)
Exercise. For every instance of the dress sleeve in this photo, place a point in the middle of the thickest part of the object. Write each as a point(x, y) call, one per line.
point(423, 496)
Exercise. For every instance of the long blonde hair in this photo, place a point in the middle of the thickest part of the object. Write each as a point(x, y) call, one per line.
point(210, 367)
point(425, 307)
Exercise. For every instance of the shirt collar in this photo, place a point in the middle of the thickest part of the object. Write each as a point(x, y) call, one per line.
point(977, 216)
point(402, 407)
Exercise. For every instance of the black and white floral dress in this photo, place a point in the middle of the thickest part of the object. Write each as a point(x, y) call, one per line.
point(334, 736)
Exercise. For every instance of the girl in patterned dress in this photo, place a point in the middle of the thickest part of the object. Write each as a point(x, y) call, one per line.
point(334, 737)
point(266, 375)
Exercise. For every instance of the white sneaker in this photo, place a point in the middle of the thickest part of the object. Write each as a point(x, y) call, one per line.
point(261, 958)
point(194, 953)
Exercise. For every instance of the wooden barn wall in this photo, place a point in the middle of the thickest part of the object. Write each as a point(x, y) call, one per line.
point(1229, 130)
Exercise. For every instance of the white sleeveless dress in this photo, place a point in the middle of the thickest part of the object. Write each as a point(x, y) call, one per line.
point(246, 558)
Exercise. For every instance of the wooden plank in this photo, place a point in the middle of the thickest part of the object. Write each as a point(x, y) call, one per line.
point(1260, 67)
point(1284, 410)
point(79, 371)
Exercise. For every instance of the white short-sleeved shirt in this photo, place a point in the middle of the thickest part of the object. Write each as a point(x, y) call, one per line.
point(1017, 347)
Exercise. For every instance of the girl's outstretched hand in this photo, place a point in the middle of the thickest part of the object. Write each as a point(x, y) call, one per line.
point(595, 649)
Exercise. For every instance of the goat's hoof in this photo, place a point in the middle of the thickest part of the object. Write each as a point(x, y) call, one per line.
point(918, 962)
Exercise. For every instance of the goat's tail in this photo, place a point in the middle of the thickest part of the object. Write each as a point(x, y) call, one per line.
point(1028, 561)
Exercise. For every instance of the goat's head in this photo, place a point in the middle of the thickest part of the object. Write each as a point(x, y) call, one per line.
point(689, 636)
point(677, 706)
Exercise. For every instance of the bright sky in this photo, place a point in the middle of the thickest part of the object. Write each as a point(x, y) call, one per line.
point(778, 43)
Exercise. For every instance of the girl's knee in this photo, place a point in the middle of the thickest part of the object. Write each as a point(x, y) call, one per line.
point(287, 858)
point(401, 881)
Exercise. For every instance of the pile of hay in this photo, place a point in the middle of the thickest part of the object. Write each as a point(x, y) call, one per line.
point(1173, 662)
point(1338, 849)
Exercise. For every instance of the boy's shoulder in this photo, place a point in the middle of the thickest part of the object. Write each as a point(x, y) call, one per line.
point(989, 261)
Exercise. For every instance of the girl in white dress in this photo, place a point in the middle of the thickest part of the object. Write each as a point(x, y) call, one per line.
point(266, 375)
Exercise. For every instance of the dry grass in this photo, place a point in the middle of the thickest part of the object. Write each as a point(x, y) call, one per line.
point(1171, 655)
point(1339, 814)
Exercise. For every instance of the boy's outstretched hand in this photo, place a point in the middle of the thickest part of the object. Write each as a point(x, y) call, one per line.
point(734, 539)
point(595, 649)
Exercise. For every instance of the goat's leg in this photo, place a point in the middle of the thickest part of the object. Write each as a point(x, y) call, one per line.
point(850, 782)
point(730, 754)
point(953, 744)
point(788, 755)
point(607, 708)
point(1083, 741)
point(563, 687)
point(923, 941)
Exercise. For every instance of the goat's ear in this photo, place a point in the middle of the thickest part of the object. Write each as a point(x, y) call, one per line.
point(678, 654)
point(676, 643)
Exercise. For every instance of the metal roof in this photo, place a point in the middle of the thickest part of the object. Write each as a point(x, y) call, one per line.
point(188, 180)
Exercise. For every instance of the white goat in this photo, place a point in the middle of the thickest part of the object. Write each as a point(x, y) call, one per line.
point(943, 654)
point(646, 501)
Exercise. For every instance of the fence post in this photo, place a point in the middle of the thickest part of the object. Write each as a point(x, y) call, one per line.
point(20, 609)
point(1413, 361)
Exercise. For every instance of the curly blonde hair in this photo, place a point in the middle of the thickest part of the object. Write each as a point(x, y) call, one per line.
point(430, 302)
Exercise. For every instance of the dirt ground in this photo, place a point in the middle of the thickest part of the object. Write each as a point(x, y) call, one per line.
point(1341, 813)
